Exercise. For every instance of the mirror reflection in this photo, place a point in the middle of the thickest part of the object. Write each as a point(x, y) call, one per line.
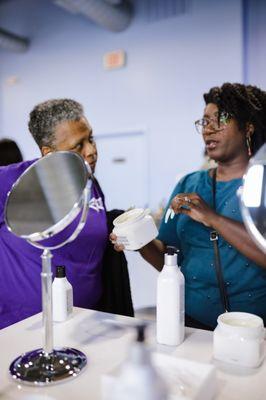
point(254, 198)
point(47, 193)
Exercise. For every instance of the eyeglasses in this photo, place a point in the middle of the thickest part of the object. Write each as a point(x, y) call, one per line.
point(218, 123)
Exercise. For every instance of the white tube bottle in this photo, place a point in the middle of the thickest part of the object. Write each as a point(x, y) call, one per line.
point(62, 295)
point(170, 311)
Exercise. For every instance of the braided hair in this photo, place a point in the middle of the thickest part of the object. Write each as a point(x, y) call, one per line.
point(245, 103)
point(47, 115)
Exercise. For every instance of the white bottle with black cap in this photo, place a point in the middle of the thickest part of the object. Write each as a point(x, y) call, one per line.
point(62, 295)
point(170, 312)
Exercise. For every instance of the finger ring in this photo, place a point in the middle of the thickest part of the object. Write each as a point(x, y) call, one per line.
point(187, 199)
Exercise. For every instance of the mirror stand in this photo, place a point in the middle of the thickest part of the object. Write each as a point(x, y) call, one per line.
point(48, 365)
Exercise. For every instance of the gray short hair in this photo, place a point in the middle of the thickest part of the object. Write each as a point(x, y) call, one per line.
point(47, 115)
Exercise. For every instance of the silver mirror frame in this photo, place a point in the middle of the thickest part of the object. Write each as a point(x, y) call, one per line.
point(258, 159)
point(63, 223)
point(48, 365)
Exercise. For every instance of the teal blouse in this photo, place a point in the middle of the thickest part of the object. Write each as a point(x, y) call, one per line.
point(245, 281)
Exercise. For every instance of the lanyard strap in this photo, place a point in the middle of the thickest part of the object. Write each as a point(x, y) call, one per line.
point(217, 259)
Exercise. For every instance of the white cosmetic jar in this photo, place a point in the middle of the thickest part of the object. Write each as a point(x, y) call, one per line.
point(135, 228)
point(239, 339)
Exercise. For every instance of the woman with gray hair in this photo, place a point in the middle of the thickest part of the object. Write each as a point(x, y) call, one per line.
point(55, 125)
point(60, 124)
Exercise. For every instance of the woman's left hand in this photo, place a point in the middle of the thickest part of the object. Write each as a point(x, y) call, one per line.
point(194, 206)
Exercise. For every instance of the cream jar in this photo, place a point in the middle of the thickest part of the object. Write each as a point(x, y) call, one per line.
point(239, 339)
point(135, 228)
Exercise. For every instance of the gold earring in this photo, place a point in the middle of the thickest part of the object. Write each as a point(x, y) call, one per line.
point(248, 142)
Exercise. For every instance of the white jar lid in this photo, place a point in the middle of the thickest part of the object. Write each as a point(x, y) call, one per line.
point(130, 217)
point(244, 324)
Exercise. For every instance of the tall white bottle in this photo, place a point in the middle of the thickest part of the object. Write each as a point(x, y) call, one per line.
point(170, 312)
point(62, 293)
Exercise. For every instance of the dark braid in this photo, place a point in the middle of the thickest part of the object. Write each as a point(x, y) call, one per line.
point(246, 103)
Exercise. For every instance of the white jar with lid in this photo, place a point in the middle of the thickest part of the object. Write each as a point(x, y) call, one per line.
point(135, 228)
point(239, 339)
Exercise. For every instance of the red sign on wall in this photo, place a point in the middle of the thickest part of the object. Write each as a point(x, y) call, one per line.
point(114, 59)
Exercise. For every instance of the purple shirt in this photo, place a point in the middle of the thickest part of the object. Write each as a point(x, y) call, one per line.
point(20, 262)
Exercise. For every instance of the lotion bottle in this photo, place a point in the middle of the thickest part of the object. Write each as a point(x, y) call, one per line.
point(62, 293)
point(170, 312)
point(138, 379)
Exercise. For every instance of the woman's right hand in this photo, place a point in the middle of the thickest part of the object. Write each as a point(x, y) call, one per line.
point(117, 247)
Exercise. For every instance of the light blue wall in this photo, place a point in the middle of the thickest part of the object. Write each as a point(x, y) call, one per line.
point(171, 62)
point(255, 43)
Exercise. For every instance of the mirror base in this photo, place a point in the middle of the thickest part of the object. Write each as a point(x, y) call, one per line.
point(38, 368)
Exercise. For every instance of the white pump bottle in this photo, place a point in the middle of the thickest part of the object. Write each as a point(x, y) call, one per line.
point(170, 312)
point(62, 292)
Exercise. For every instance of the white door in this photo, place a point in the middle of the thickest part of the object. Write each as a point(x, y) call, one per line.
point(122, 169)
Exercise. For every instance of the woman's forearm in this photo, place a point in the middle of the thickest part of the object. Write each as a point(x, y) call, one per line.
point(153, 253)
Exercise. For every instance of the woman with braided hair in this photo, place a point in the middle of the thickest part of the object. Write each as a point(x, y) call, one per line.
point(206, 208)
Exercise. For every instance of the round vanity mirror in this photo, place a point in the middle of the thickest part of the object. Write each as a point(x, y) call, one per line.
point(253, 198)
point(47, 196)
point(44, 200)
